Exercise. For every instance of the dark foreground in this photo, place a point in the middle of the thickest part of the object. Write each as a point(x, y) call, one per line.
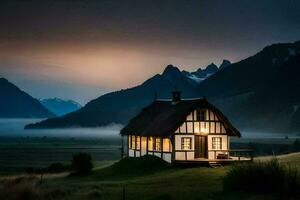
point(133, 180)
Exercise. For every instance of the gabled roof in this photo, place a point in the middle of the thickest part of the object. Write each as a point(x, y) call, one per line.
point(162, 118)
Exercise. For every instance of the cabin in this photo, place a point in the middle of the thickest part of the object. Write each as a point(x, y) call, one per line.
point(181, 130)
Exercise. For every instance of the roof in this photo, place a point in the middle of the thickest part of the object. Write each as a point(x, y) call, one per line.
point(162, 118)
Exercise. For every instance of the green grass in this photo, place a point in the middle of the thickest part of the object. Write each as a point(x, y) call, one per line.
point(150, 179)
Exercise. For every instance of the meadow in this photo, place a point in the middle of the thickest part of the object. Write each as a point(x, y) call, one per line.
point(111, 179)
point(136, 180)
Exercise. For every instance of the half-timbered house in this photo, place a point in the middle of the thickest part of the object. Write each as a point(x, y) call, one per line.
point(180, 130)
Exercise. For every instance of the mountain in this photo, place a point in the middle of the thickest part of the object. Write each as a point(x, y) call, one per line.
point(201, 74)
point(224, 64)
point(250, 74)
point(258, 93)
point(14, 103)
point(120, 106)
point(60, 106)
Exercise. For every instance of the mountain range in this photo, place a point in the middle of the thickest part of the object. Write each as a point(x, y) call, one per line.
point(120, 106)
point(60, 106)
point(258, 93)
point(15, 103)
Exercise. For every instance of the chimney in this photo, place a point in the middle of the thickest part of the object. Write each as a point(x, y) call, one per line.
point(176, 97)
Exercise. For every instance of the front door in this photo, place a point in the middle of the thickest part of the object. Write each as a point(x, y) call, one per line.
point(200, 146)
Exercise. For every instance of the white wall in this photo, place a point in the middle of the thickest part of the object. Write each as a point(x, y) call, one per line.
point(184, 155)
point(211, 153)
point(167, 157)
point(178, 141)
point(131, 153)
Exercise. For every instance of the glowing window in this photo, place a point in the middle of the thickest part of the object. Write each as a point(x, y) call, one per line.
point(186, 143)
point(138, 142)
point(216, 143)
point(157, 144)
point(166, 145)
point(133, 142)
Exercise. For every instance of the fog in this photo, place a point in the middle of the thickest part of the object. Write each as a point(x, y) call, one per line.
point(15, 128)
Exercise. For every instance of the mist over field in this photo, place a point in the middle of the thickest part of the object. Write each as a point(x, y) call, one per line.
point(15, 128)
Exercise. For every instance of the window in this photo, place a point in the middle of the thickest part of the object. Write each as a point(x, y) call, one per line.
point(217, 143)
point(150, 144)
point(129, 142)
point(157, 144)
point(133, 142)
point(200, 115)
point(138, 142)
point(166, 145)
point(186, 143)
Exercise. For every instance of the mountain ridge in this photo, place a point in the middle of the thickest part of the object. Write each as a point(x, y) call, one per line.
point(15, 103)
point(239, 90)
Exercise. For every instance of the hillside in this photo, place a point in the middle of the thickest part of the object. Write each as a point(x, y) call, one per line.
point(15, 103)
point(261, 92)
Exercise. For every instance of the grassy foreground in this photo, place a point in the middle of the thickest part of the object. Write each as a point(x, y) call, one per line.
point(142, 179)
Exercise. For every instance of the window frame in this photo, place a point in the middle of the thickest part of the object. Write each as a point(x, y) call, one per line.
point(137, 142)
point(183, 145)
point(133, 142)
point(216, 145)
point(156, 142)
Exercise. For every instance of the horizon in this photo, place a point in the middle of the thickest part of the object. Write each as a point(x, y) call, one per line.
point(81, 50)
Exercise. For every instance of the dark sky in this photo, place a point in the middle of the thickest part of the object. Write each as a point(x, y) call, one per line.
point(81, 49)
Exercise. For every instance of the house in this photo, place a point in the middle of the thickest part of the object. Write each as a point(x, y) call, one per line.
point(181, 130)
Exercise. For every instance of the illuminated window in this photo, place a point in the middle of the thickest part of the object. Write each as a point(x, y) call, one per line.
point(150, 144)
point(200, 115)
point(186, 143)
point(133, 142)
point(129, 142)
point(217, 143)
point(166, 145)
point(138, 142)
point(157, 144)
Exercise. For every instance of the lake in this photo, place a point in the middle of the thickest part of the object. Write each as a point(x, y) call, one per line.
point(20, 149)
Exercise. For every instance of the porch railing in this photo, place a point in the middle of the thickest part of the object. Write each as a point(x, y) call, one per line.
point(229, 154)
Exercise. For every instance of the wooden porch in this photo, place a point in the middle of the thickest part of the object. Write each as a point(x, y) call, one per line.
point(223, 158)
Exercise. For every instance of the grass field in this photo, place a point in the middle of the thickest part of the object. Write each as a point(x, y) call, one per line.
point(147, 180)
point(17, 154)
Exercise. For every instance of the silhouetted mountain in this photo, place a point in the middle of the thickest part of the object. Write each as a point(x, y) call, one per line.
point(260, 92)
point(120, 106)
point(250, 74)
point(201, 74)
point(60, 106)
point(15, 103)
point(224, 64)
